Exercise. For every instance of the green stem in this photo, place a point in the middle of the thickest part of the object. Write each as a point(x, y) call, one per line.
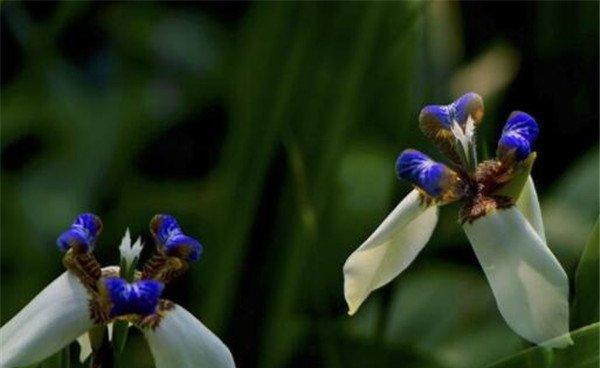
point(102, 352)
point(121, 328)
point(120, 333)
point(65, 357)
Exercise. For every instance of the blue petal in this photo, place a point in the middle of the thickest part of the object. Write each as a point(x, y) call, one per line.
point(419, 169)
point(163, 227)
point(140, 297)
point(518, 136)
point(172, 240)
point(468, 104)
point(183, 246)
point(82, 233)
point(434, 117)
point(90, 222)
point(438, 116)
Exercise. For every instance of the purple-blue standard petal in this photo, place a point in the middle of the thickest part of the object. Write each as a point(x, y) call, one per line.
point(435, 117)
point(164, 226)
point(422, 171)
point(172, 240)
point(140, 297)
point(82, 233)
point(183, 246)
point(468, 104)
point(518, 135)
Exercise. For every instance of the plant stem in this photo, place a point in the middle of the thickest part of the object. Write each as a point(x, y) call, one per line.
point(102, 352)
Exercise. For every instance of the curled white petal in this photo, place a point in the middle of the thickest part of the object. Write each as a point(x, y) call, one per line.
point(130, 252)
point(85, 347)
point(389, 250)
point(529, 284)
point(182, 341)
point(52, 320)
point(529, 205)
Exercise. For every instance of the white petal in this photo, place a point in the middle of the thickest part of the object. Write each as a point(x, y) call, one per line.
point(389, 250)
point(529, 206)
point(529, 284)
point(53, 319)
point(182, 341)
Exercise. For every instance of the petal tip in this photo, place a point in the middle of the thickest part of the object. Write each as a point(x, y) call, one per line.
point(518, 135)
point(419, 169)
point(82, 234)
point(171, 239)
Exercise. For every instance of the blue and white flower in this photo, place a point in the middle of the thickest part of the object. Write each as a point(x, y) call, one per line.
point(86, 298)
point(500, 215)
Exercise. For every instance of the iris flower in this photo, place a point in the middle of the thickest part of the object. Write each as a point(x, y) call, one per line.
point(86, 297)
point(500, 215)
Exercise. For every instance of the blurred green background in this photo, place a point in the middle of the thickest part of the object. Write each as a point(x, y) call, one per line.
point(270, 130)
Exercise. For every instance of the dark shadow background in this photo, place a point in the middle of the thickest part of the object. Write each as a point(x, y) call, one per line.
point(271, 130)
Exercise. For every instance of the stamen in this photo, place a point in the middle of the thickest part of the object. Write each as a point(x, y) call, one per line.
point(482, 205)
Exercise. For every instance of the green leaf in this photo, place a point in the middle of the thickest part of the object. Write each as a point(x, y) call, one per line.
point(583, 354)
point(65, 357)
point(585, 306)
point(449, 312)
point(345, 352)
point(120, 332)
point(268, 66)
point(341, 106)
point(570, 209)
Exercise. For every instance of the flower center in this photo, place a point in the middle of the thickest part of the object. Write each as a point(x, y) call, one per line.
point(480, 192)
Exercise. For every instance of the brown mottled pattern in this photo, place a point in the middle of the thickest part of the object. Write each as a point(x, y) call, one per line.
point(493, 174)
point(152, 321)
point(481, 205)
point(85, 267)
point(163, 268)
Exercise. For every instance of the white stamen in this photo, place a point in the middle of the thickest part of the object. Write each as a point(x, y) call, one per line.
point(470, 129)
point(466, 139)
point(130, 252)
point(461, 137)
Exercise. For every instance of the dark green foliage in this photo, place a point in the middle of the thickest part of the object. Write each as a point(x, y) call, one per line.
point(270, 130)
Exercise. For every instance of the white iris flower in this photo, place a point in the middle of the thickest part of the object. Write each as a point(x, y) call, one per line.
point(87, 297)
point(501, 217)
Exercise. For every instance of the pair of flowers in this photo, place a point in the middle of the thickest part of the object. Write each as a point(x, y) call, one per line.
point(500, 215)
point(86, 298)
